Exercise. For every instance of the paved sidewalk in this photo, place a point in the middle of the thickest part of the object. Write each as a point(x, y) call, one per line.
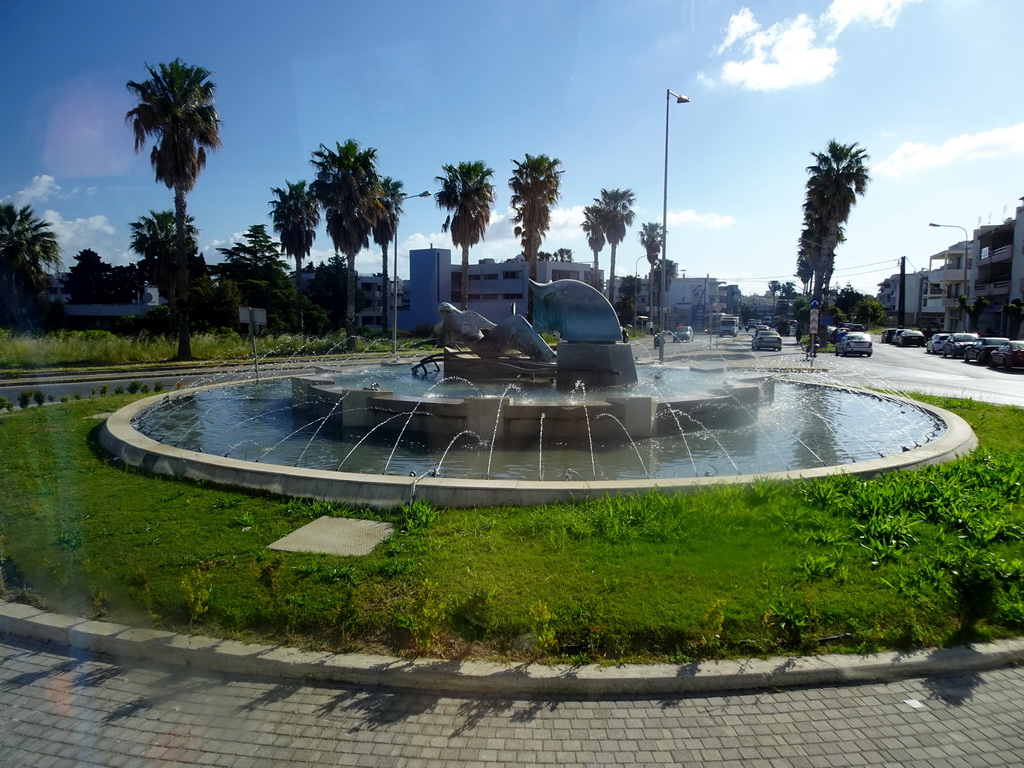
point(62, 707)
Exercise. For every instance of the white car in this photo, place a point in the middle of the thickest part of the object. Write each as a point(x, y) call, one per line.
point(934, 344)
point(767, 340)
point(854, 343)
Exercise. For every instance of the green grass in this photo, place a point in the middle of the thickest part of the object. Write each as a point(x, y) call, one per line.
point(27, 353)
point(910, 559)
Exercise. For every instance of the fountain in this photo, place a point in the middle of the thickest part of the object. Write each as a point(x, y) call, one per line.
point(508, 421)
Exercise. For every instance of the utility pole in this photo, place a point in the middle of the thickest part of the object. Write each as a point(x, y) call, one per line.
point(901, 297)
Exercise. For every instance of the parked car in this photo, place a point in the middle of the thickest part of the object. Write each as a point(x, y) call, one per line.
point(888, 334)
point(955, 345)
point(982, 347)
point(1008, 355)
point(767, 340)
point(909, 338)
point(934, 344)
point(854, 343)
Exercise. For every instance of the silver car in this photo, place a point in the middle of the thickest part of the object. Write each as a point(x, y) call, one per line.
point(854, 343)
point(934, 344)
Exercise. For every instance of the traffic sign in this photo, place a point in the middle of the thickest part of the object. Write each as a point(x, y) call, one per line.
point(814, 303)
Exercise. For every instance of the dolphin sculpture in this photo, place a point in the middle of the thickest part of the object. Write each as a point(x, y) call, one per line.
point(574, 310)
point(513, 334)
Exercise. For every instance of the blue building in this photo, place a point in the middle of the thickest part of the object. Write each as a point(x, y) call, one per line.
point(496, 289)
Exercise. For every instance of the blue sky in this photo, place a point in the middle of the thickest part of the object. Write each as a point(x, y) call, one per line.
point(931, 88)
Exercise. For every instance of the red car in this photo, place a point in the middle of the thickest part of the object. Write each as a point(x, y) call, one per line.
point(1008, 355)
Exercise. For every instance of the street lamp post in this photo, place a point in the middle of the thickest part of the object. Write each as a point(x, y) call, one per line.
point(636, 289)
point(664, 223)
point(394, 284)
point(967, 278)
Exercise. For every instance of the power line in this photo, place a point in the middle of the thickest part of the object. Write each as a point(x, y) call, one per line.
point(784, 277)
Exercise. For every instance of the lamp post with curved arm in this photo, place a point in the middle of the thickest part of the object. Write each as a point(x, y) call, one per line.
point(394, 283)
point(664, 222)
point(967, 255)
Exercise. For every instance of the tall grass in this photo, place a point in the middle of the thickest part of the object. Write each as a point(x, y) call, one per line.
point(25, 352)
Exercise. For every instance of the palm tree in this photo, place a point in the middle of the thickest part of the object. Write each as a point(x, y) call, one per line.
point(535, 186)
point(176, 110)
point(617, 213)
point(27, 247)
point(295, 215)
point(391, 196)
point(467, 194)
point(348, 187)
point(153, 237)
point(838, 177)
point(650, 241)
point(593, 226)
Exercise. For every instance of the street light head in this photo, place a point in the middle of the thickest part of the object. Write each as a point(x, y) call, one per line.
point(682, 99)
point(933, 225)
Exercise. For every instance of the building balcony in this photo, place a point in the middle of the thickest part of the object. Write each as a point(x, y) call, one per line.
point(1001, 254)
point(995, 288)
point(950, 303)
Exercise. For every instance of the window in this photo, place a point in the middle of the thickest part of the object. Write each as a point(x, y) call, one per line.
point(514, 275)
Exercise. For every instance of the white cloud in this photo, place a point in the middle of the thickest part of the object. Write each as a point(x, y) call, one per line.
point(75, 235)
point(787, 53)
point(690, 218)
point(741, 25)
point(41, 189)
point(841, 13)
point(782, 56)
point(911, 156)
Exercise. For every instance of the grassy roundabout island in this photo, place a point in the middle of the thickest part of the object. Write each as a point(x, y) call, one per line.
point(910, 559)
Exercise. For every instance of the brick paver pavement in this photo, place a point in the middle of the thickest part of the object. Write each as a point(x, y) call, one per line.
point(63, 707)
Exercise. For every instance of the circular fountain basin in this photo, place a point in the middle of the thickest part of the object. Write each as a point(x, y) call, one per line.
point(800, 431)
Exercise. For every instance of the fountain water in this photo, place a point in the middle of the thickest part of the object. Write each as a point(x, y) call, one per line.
point(471, 444)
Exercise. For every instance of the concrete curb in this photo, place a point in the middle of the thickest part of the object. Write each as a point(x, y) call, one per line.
point(477, 677)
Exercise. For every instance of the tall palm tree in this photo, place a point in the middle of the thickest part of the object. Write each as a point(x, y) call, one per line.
point(467, 194)
point(838, 177)
point(27, 247)
point(176, 110)
point(153, 237)
point(650, 241)
point(593, 227)
point(347, 185)
point(295, 215)
point(617, 212)
point(391, 196)
point(535, 186)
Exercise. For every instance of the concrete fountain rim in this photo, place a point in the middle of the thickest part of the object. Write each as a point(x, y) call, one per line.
point(119, 438)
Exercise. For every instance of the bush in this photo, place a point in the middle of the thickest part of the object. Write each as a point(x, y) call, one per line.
point(24, 398)
point(39, 396)
point(5, 404)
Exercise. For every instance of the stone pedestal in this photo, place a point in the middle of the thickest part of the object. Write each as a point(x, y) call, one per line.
point(596, 365)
